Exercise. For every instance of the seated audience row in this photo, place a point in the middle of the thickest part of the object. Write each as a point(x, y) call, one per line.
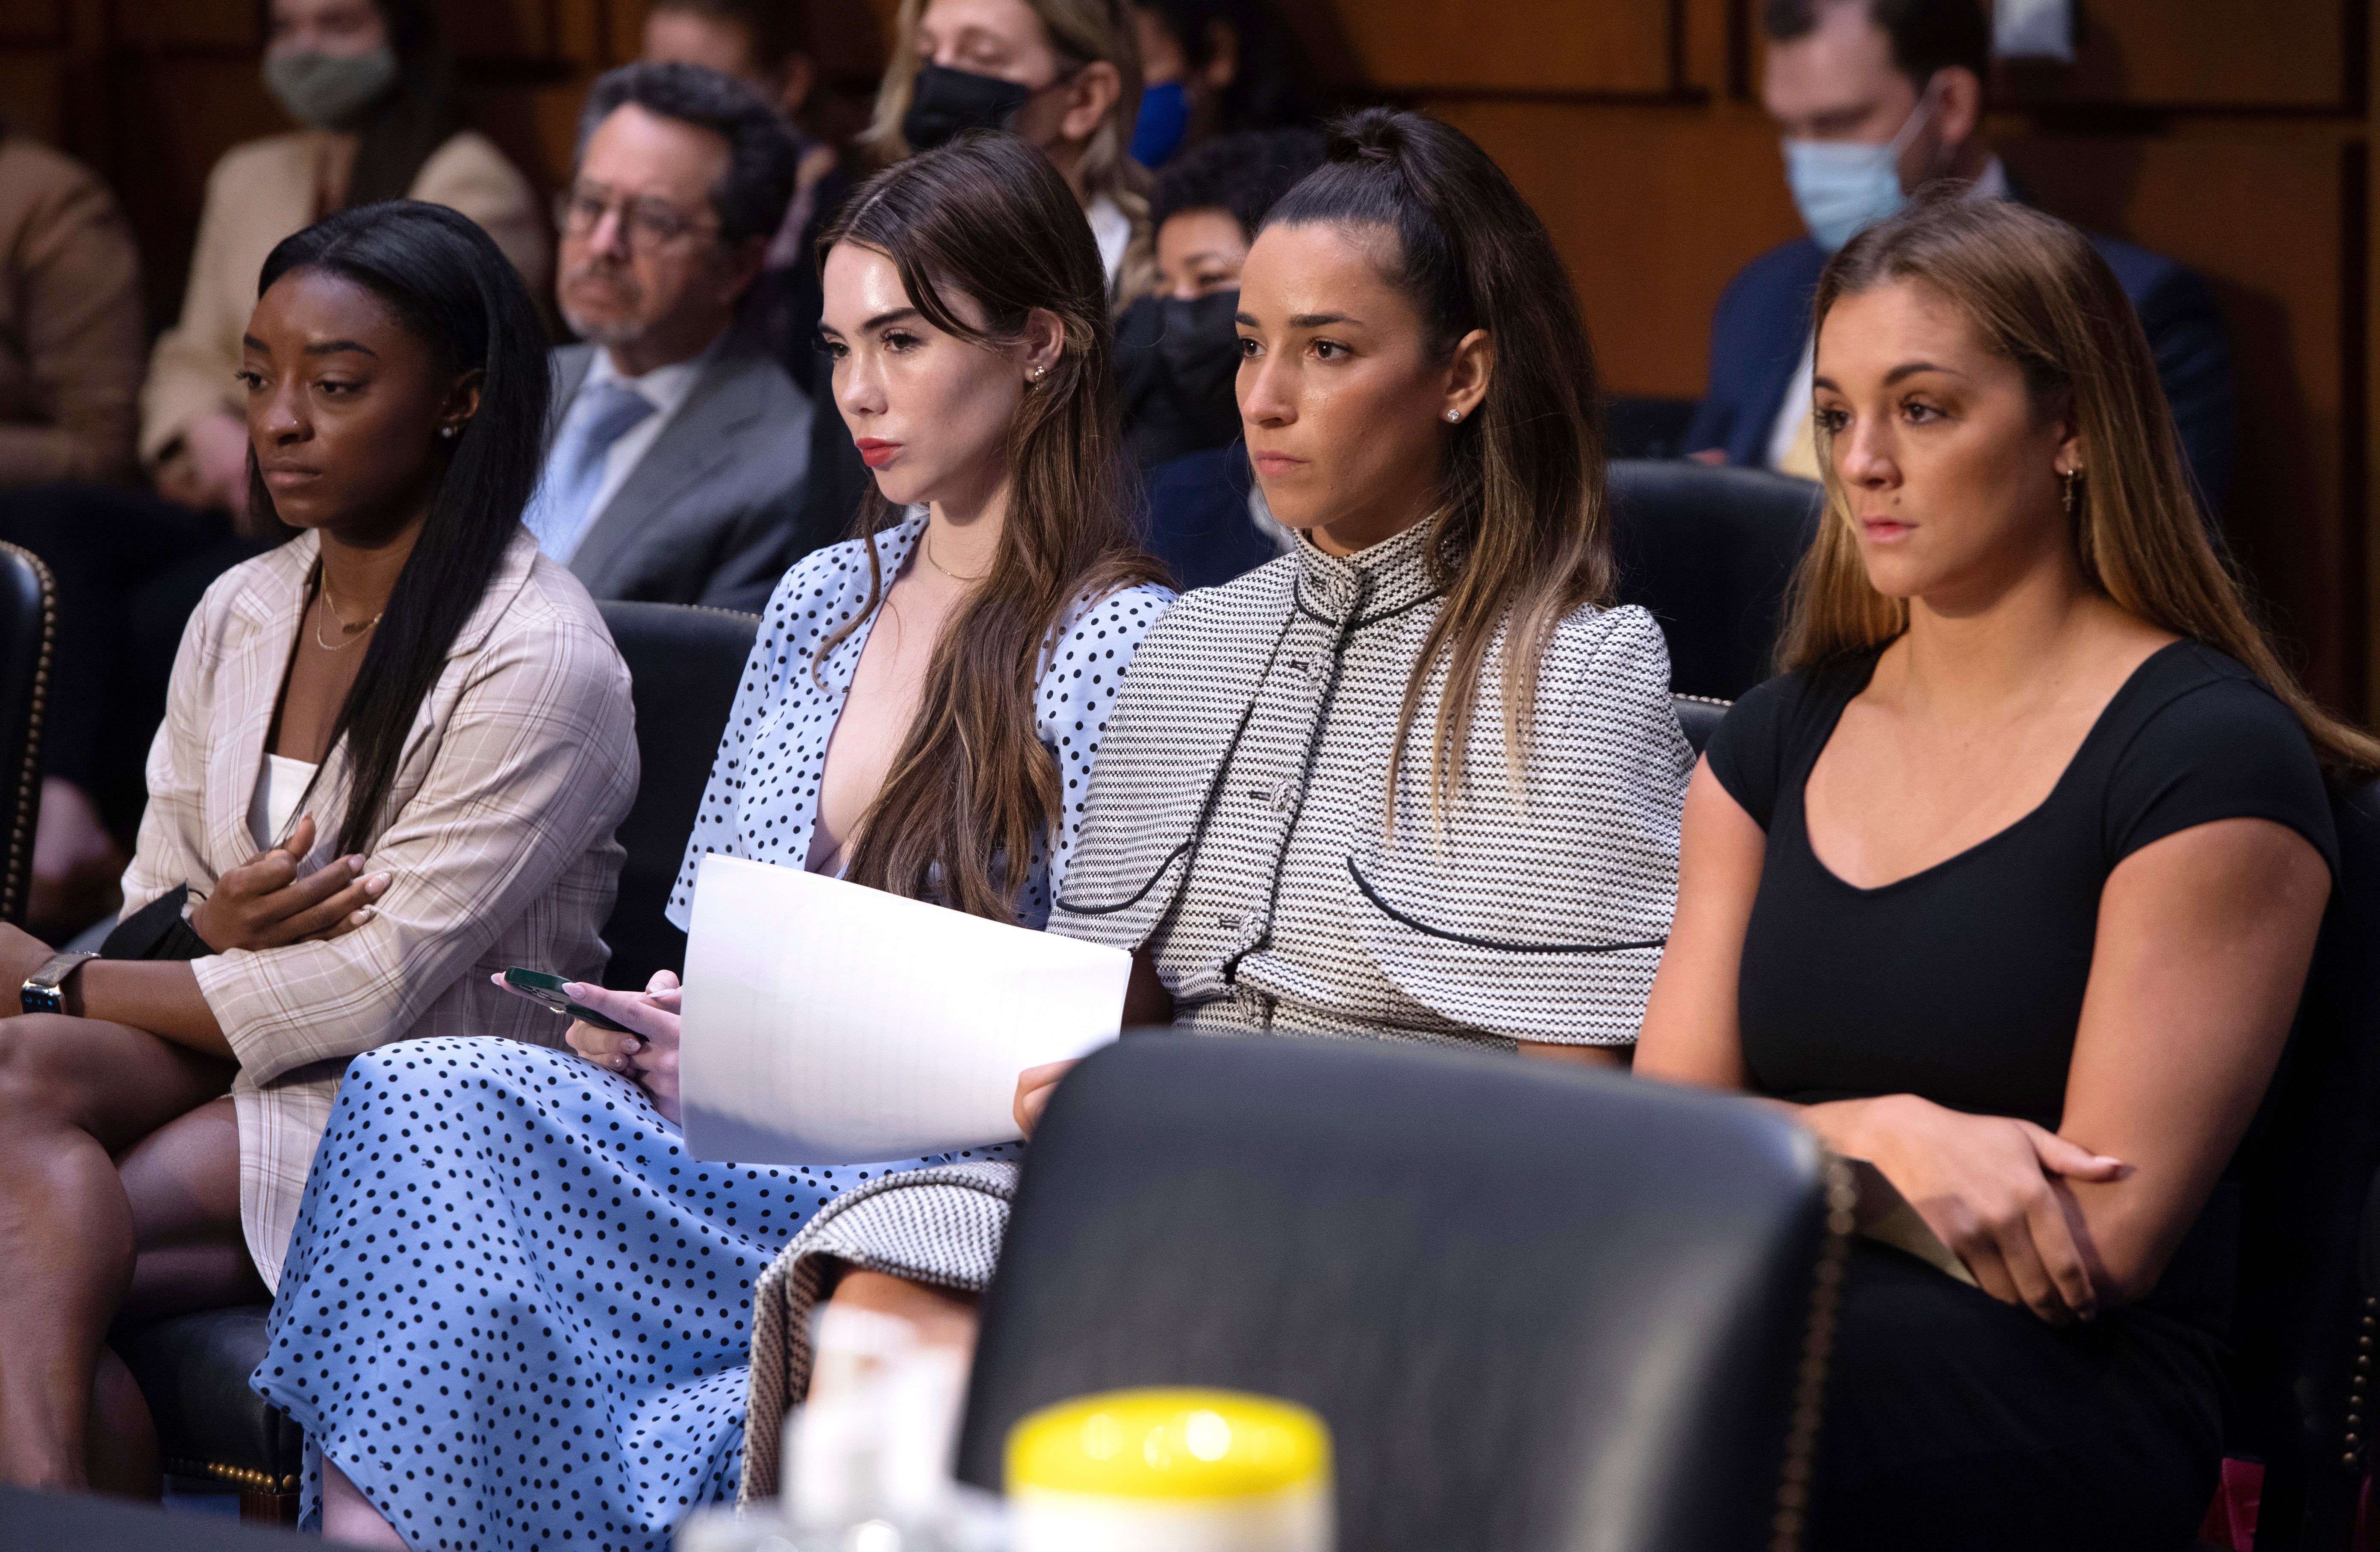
point(1416, 780)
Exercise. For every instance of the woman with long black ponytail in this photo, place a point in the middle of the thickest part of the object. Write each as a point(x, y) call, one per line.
point(394, 753)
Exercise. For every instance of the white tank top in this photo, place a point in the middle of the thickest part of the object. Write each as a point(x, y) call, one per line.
point(278, 787)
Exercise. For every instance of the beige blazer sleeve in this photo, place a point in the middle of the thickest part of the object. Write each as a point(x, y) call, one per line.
point(533, 765)
point(71, 326)
point(469, 174)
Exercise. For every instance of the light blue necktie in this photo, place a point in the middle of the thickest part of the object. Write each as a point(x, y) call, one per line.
point(574, 472)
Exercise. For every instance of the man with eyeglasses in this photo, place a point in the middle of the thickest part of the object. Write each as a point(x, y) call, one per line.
point(680, 452)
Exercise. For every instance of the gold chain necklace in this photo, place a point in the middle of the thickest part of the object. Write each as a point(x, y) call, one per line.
point(926, 543)
point(350, 632)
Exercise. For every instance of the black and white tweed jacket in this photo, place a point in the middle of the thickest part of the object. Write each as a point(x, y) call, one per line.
point(1240, 825)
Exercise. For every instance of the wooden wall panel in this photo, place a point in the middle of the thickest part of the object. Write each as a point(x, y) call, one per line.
point(33, 23)
point(32, 93)
point(1527, 45)
point(508, 32)
point(226, 24)
point(2283, 288)
point(2281, 53)
point(1654, 211)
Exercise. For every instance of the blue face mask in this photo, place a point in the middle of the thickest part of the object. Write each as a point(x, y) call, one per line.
point(1164, 120)
point(1842, 185)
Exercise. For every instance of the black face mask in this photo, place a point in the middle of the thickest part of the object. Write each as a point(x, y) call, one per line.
point(944, 101)
point(1177, 363)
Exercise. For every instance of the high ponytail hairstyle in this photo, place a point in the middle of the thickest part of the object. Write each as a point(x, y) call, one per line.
point(451, 287)
point(2037, 294)
point(986, 217)
point(1520, 536)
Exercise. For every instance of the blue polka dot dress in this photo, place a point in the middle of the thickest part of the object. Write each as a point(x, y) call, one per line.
point(515, 1312)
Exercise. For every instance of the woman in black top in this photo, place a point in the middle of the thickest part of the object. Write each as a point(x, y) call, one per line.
point(2010, 886)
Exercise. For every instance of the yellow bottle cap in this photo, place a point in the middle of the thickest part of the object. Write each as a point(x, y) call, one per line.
point(1169, 1444)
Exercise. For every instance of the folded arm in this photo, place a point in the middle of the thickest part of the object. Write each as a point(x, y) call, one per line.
point(2202, 949)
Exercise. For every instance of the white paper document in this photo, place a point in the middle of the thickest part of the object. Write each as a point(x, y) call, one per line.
point(826, 1023)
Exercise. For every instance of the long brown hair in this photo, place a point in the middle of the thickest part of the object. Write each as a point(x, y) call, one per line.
point(1082, 32)
point(988, 217)
point(1521, 536)
point(2037, 293)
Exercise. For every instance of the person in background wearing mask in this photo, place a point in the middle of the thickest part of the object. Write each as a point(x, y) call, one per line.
point(367, 82)
point(1178, 355)
point(679, 454)
point(1214, 68)
point(1875, 98)
point(1063, 75)
point(765, 43)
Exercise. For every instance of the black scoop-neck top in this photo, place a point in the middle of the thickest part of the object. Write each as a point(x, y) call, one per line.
point(1964, 983)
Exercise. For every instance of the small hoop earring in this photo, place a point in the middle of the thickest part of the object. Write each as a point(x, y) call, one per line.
point(2072, 492)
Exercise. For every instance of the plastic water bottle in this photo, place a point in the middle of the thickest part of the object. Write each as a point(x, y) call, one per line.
point(1171, 1471)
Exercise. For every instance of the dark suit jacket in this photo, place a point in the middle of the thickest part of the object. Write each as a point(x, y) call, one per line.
point(1764, 321)
point(710, 514)
point(1199, 521)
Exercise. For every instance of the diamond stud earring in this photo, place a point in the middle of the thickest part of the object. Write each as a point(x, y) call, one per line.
point(1454, 415)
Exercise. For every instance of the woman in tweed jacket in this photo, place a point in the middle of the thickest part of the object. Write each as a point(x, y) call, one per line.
point(1416, 780)
point(396, 752)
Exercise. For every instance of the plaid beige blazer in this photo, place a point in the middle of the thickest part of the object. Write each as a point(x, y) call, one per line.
point(497, 839)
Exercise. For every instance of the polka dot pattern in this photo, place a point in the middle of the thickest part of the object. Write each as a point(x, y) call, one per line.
point(516, 1312)
point(763, 797)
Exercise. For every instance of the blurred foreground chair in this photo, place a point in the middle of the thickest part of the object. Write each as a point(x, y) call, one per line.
point(1539, 1307)
point(683, 664)
point(1709, 552)
point(2307, 1313)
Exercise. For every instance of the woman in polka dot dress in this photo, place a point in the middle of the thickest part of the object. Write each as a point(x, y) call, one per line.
point(515, 1313)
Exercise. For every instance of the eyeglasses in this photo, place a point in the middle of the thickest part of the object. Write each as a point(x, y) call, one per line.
point(646, 226)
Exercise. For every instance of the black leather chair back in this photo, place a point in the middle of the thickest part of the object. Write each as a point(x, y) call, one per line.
point(683, 665)
point(2304, 1319)
point(1538, 1306)
point(1710, 552)
point(28, 629)
point(1699, 716)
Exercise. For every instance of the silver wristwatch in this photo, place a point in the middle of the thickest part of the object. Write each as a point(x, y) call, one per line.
point(43, 991)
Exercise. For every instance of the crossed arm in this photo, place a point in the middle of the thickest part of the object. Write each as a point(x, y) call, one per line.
point(264, 903)
point(2203, 944)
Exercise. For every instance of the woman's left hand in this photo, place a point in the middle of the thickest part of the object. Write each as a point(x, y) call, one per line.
point(647, 1056)
point(1033, 1086)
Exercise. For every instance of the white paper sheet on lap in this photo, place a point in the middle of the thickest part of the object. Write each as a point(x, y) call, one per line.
point(826, 1023)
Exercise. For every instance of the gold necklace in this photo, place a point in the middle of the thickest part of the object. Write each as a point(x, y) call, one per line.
point(928, 544)
point(350, 632)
